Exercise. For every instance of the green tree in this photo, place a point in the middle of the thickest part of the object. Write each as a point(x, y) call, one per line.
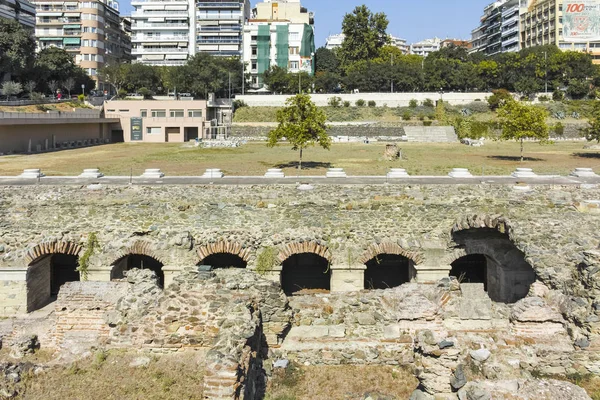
point(326, 60)
point(10, 88)
point(520, 121)
point(115, 74)
point(365, 34)
point(592, 132)
point(578, 88)
point(326, 82)
point(55, 64)
point(17, 49)
point(277, 79)
point(69, 84)
point(302, 124)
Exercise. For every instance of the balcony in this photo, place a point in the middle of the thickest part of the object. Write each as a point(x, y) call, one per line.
point(230, 5)
point(168, 63)
point(219, 17)
point(160, 50)
point(147, 13)
point(142, 2)
point(220, 28)
point(509, 41)
point(159, 38)
point(159, 25)
point(510, 31)
point(219, 41)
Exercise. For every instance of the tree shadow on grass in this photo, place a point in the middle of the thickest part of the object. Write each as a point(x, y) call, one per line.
point(515, 158)
point(587, 155)
point(305, 165)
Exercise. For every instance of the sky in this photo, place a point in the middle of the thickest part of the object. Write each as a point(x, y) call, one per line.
point(413, 20)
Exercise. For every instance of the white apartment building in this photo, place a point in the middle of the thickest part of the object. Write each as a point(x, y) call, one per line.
point(279, 34)
point(18, 10)
point(161, 31)
point(426, 47)
point(168, 32)
point(335, 41)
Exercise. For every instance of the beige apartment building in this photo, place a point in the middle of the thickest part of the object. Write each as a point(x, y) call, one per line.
point(168, 121)
point(90, 30)
point(542, 24)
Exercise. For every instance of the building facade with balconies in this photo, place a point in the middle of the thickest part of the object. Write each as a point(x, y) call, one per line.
point(426, 47)
point(278, 34)
point(219, 26)
point(89, 30)
point(499, 29)
point(19, 10)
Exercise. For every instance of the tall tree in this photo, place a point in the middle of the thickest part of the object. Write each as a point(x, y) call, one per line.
point(326, 60)
point(302, 124)
point(365, 34)
point(592, 132)
point(69, 84)
point(115, 74)
point(10, 88)
point(521, 121)
point(17, 49)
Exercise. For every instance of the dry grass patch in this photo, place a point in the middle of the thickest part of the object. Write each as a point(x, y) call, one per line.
point(495, 158)
point(340, 382)
point(108, 376)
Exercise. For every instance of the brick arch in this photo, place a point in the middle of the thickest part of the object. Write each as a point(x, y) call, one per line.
point(455, 255)
point(304, 247)
point(375, 250)
point(497, 222)
point(54, 247)
point(140, 248)
point(224, 246)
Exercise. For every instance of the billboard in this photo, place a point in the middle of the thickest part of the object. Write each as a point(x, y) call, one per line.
point(136, 129)
point(581, 20)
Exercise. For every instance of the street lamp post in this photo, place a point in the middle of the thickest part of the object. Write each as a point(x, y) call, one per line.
point(83, 90)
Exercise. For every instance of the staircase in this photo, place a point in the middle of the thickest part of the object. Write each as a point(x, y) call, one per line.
point(430, 134)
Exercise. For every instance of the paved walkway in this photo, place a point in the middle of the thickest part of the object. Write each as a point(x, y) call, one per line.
point(321, 180)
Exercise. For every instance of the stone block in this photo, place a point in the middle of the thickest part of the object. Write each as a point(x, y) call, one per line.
point(152, 173)
point(347, 280)
point(336, 173)
point(391, 331)
point(475, 302)
point(308, 332)
point(31, 173)
point(583, 173)
point(274, 173)
point(91, 173)
point(460, 173)
point(213, 173)
point(337, 331)
point(524, 173)
point(397, 173)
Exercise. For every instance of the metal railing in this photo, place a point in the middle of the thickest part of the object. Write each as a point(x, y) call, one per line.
point(159, 12)
point(159, 50)
point(159, 25)
point(159, 38)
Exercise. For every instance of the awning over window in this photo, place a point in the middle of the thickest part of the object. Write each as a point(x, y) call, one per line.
point(50, 39)
point(74, 26)
point(72, 14)
point(49, 14)
point(72, 41)
point(153, 57)
point(176, 56)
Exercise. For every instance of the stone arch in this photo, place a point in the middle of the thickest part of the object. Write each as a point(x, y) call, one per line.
point(304, 247)
point(305, 266)
point(139, 254)
point(224, 254)
point(484, 242)
point(50, 265)
point(388, 265)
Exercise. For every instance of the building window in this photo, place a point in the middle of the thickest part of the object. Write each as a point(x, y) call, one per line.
point(294, 50)
point(294, 65)
point(195, 113)
point(123, 111)
point(143, 113)
point(159, 113)
point(176, 113)
point(153, 130)
point(294, 36)
point(254, 66)
point(254, 51)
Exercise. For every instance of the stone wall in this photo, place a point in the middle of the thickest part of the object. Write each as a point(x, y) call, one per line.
point(371, 131)
point(38, 283)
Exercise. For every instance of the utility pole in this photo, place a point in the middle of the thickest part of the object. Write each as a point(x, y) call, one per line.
point(392, 73)
point(243, 77)
point(230, 88)
point(300, 82)
point(546, 70)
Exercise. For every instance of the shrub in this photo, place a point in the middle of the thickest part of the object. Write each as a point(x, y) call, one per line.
point(428, 103)
point(147, 93)
point(478, 107)
point(122, 93)
point(479, 129)
point(498, 98)
point(346, 104)
point(372, 103)
point(237, 104)
point(421, 117)
point(558, 95)
point(406, 115)
point(37, 96)
point(335, 101)
point(360, 103)
point(81, 97)
point(544, 98)
point(559, 129)
point(413, 103)
point(431, 117)
point(427, 123)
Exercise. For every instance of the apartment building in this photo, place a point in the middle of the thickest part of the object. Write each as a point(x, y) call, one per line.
point(499, 28)
point(89, 30)
point(168, 32)
point(18, 10)
point(126, 38)
point(426, 47)
point(456, 42)
point(279, 33)
point(335, 41)
point(543, 22)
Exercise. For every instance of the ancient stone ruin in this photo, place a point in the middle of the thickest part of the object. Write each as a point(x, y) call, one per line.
point(480, 289)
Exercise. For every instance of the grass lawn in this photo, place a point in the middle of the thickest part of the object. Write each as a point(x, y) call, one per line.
point(495, 158)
